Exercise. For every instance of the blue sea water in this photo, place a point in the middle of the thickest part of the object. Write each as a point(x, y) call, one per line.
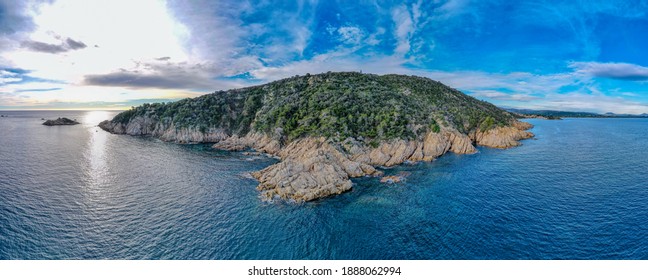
point(579, 191)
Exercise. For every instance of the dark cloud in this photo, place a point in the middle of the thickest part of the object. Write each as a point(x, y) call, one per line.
point(43, 47)
point(619, 71)
point(130, 79)
point(164, 58)
point(133, 80)
point(74, 45)
point(165, 75)
point(14, 18)
point(66, 45)
point(17, 103)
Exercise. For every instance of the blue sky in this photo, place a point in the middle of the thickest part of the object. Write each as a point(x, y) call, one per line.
point(560, 55)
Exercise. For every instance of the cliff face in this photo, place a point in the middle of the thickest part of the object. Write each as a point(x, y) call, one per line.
point(139, 126)
point(330, 127)
point(504, 137)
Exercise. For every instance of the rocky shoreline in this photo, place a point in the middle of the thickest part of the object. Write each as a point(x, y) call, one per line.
point(315, 167)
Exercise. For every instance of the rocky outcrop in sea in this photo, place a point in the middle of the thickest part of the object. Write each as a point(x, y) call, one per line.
point(60, 121)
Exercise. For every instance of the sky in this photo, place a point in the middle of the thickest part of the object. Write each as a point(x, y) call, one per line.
point(558, 55)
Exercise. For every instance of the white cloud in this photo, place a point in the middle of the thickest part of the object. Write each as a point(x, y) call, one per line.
point(590, 103)
point(404, 29)
point(8, 77)
point(496, 95)
point(451, 8)
point(373, 38)
point(621, 71)
point(352, 35)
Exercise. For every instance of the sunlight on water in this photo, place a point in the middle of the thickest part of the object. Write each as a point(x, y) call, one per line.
point(95, 153)
point(92, 118)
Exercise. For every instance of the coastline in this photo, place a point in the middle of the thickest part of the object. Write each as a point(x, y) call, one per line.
point(311, 168)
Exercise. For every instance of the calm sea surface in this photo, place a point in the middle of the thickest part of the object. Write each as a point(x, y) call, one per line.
point(580, 191)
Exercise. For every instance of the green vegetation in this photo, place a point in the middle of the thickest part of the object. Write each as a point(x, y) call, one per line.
point(333, 105)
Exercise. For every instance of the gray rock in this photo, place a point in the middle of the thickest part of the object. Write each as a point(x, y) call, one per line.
point(60, 121)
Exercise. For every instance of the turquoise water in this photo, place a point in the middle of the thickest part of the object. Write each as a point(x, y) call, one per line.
point(577, 192)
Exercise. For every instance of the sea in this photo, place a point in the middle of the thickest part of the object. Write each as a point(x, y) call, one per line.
point(579, 190)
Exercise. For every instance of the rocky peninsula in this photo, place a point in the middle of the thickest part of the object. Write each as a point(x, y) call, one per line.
point(330, 127)
point(60, 121)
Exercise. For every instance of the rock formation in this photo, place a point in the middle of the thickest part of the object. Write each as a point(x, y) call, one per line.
point(312, 168)
point(60, 121)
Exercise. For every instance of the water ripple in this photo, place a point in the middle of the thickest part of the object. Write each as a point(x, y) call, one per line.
point(578, 192)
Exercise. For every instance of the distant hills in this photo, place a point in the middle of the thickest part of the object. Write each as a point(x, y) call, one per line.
point(551, 114)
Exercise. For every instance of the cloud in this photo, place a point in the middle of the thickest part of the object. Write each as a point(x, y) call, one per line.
point(23, 86)
point(496, 95)
point(165, 75)
point(65, 46)
point(451, 8)
point(14, 17)
point(596, 103)
point(139, 80)
point(352, 35)
point(38, 89)
point(74, 45)
point(620, 71)
point(9, 77)
point(43, 47)
point(15, 22)
point(404, 29)
point(373, 39)
point(25, 103)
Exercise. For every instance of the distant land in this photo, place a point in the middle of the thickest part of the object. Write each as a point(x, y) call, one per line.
point(567, 114)
point(330, 127)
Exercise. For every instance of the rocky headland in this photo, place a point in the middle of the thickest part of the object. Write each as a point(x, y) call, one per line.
point(329, 128)
point(60, 121)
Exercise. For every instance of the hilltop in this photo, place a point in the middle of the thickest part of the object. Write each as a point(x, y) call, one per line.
point(329, 127)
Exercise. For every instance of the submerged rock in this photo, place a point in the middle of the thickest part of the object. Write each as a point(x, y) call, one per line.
point(391, 179)
point(60, 121)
